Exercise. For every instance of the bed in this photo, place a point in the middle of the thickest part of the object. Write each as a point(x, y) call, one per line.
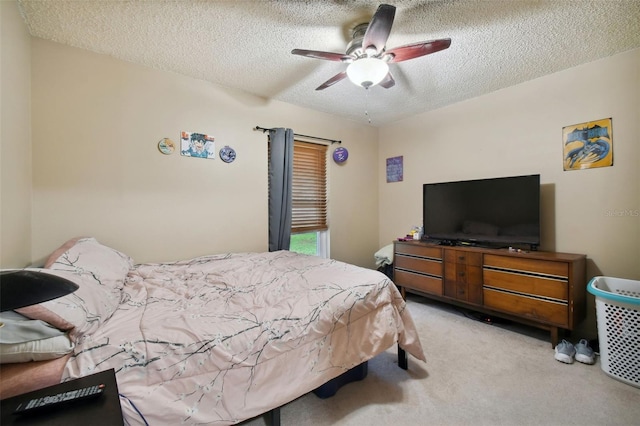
point(213, 340)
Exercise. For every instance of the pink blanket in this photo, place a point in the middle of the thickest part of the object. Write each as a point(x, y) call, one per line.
point(220, 339)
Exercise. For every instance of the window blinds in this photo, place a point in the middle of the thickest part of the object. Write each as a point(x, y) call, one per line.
point(309, 187)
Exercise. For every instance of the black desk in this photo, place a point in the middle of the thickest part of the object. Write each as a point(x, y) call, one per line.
point(103, 410)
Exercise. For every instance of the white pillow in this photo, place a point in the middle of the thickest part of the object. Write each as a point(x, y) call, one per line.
point(36, 350)
point(16, 328)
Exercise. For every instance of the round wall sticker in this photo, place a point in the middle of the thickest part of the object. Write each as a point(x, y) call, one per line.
point(166, 146)
point(340, 155)
point(227, 154)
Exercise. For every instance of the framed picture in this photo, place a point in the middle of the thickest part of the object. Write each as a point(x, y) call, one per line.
point(588, 145)
point(394, 169)
point(197, 145)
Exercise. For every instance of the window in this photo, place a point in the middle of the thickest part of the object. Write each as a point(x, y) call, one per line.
point(309, 226)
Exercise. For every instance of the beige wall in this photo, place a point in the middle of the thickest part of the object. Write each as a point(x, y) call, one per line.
point(15, 138)
point(518, 131)
point(98, 172)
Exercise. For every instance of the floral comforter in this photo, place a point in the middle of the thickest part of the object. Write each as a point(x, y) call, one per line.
point(223, 338)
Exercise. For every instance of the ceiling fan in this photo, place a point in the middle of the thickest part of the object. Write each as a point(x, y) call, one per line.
point(367, 56)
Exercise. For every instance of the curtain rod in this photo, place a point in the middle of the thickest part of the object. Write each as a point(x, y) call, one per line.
point(303, 136)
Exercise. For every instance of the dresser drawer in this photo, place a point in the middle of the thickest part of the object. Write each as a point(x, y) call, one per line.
point(463, 273)
point(540, 267)
point(416, 281)
point(545, 311)
point(418, 250)
point(544, 286)
point(463, 257)
point(426, 266)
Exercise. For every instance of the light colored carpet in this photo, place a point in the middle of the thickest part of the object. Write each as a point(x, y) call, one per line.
point(476, 373)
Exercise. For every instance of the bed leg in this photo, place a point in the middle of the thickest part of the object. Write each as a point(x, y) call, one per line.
point(403, 359)
point(274, 417)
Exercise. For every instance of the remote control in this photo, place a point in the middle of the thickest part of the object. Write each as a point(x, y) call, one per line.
point(62, 398)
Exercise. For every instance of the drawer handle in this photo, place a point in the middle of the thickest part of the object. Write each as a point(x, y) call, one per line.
point(460, 257)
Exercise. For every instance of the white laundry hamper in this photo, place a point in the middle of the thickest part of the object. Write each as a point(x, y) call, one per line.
point(618, 318)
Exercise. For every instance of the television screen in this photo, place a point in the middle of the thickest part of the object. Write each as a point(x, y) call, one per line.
point(493, 212)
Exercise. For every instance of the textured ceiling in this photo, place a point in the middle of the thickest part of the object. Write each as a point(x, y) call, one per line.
point(246, 44)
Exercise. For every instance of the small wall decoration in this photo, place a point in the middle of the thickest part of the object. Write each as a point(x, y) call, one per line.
point(588, 145)
point(227, 154)
point(166, 146)
point(394, 169)
point(340, 155)
point(197, 145)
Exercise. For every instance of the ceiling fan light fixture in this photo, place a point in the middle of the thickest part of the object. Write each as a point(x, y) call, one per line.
point(367, 72)
point(367, 53)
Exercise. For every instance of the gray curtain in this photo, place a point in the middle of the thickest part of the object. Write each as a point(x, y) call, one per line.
point(280, 175)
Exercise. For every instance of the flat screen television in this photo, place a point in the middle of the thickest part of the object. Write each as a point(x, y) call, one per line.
point(497, 212)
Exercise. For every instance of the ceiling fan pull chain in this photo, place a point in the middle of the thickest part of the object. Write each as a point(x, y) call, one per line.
point(366, 104)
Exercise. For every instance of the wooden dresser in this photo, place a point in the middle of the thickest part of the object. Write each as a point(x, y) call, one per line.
point(543, 289)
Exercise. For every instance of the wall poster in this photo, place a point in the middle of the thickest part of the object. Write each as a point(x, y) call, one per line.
point(394, 169)
point(588, 145)
point(197, 145)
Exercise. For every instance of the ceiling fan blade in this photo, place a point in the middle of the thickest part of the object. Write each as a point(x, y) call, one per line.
point(416, 50)
point(333, 80)
point(379, 28)
point(329, 56)
point(388, 82)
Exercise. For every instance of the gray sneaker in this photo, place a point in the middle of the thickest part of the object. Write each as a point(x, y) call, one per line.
point(584, 353)
point(565, 352)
